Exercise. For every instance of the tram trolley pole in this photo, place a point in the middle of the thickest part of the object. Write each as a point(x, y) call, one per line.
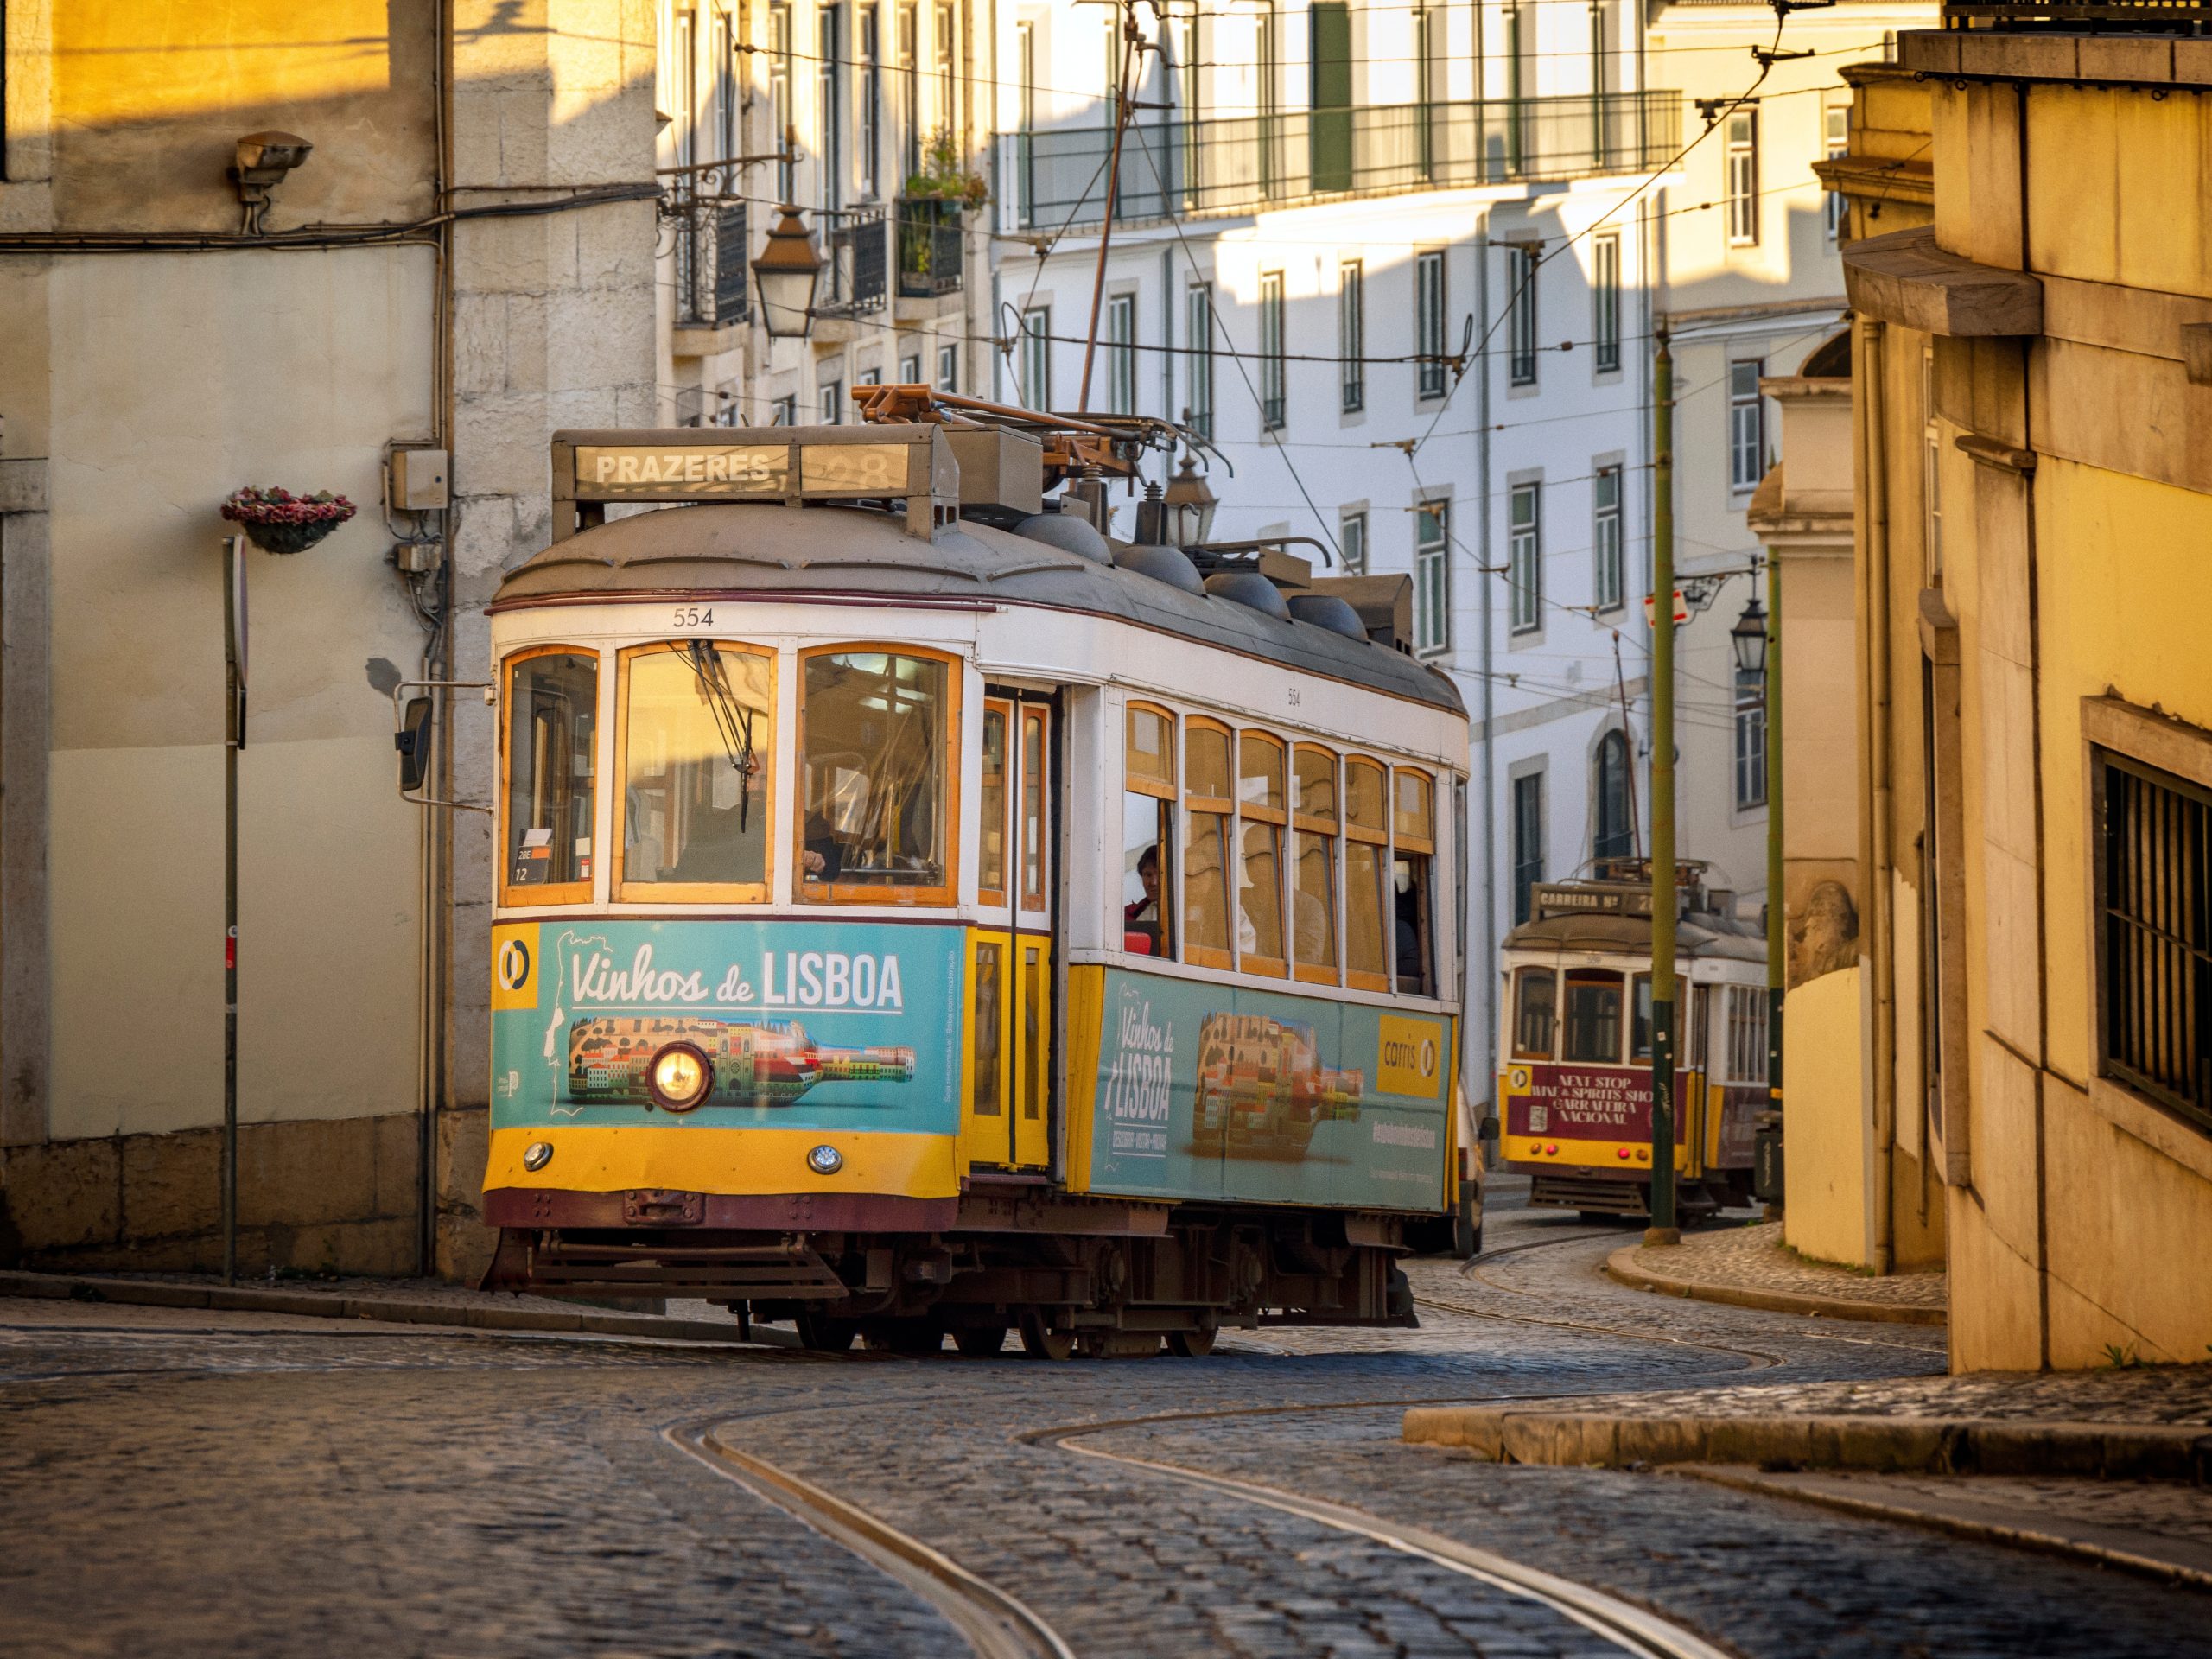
point(1663, 1228)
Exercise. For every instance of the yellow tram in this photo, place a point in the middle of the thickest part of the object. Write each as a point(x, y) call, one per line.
point(919, 915)
point(1574, 1084)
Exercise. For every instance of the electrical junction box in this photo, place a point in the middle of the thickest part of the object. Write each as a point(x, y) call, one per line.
point(418, 480)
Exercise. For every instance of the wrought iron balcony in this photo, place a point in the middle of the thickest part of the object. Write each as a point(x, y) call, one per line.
point(1244, 164)
point(711, 288)
point(933, 251)
point(856, 261)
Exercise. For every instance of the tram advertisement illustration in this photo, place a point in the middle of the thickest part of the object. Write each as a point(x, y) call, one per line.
point(829, 1025)
point(1274, 1096)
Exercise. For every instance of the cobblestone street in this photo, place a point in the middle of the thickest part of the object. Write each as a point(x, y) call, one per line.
point(188, 1481)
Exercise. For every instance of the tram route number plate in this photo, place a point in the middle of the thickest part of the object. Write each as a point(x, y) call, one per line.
point(691, 472)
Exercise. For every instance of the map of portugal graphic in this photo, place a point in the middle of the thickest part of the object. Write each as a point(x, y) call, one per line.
point(771, 1062)
point(1262, 1089)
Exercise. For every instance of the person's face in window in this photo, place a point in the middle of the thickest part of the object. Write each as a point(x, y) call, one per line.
point(1148, 872)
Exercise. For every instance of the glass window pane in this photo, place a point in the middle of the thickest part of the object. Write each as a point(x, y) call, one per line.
point(875, 769)
point(1147, 841)
point(1206, 762)
point(1313, 899)
point(1032, 810)
point(1594, 1018)
point(1532, 1016)
point(1363, 795)
point(1409, 877)
point(1259, 772)
point(1639, 1038)
point(696, 745)
point(1412, 804)
point(1363, 908)
point(1205, 884)
point(1259, 893)
point(990, 1003)
point(552, 718)
point(1315, 774)
point(992, 875)
point(1150, 747)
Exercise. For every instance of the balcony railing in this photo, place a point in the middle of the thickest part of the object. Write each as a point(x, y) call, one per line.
point(856, 265)
point(932, 250)
point(2126, 17)
point(710, 267)
point(1243, 164)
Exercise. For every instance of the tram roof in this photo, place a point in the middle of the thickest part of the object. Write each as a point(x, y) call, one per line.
point(1700, 933)
point(798, 553)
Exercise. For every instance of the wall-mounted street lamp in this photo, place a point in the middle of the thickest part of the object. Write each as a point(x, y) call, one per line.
point(1749, 638)
point(264, 159)
point(1190, 505)
point(785, 274)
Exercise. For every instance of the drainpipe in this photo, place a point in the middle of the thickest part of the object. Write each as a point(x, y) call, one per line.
point(1875, 814)
point(1488, 694)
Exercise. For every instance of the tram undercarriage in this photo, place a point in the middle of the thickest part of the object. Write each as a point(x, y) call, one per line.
point(1179, 1275)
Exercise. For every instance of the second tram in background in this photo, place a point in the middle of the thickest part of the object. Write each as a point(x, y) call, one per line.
point(1574, 1077)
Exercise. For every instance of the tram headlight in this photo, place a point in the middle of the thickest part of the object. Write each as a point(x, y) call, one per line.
point(679, 1077)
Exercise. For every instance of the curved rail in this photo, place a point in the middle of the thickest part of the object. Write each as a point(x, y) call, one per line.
point(996, 1624)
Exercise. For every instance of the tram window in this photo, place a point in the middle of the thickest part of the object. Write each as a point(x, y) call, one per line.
point(552, 726)
point(872, 828)
point(991, 864)
point(1313, 864)
point(1700, 1027)
point(990, 1006)
point(1207, 804)
point(1746, 1034)
point(1259, 879)
point(1639, 1024)
point(1413, 822)
point(1148, 832)
point(1367, 836)
point(1593, 1017)
point(1535, 990)
point(697, 743)
point(1034, 829)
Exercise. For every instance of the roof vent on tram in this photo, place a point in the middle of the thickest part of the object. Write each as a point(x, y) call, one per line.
point(1249, 588)
point(1068, 532)
point(1167, 564)
point(1327, 611)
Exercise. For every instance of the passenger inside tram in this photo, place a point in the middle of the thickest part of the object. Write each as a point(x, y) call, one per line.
point(1140, 918)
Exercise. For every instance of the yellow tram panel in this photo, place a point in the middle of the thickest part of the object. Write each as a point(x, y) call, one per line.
point(741, 1162)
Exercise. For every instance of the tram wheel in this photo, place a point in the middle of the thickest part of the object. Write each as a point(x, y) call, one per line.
point(981, 1343)
point(1191, 1344)
point(1039, 1341)
point(821, 1336)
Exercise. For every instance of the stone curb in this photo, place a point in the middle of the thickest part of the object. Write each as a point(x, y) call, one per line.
point(1933, 1446)
point(1622, 1268)
point(311, 1304)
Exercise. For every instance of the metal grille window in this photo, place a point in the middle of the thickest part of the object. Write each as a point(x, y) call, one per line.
point(1272, 414)
point(1431, 576)
point(1199, 405)
point(1351, 535)
point(1746, 1034)
point(1351, 333)
point(1037, 357)
point(1428, 310)
point(1605, 302)
point(2154, 933)
point(1528, 840)
point(1746, 426)
point(1121, 354)
point(1750, 739)
point(1605, 537)
point(1520, 289)
point(1743, 178)
point(1524, 556)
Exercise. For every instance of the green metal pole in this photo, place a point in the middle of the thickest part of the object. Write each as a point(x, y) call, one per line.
point(1777, 921)
point(1662, 1229)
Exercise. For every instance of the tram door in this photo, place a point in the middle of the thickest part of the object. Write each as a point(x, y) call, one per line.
point(1010, 962)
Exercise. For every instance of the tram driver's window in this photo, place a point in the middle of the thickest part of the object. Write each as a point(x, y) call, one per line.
point(871, 823)
point(1148, 832)
point(1314, 822)
point(552, 726)
point(1208, 803)
point(1533, 991)
point(1367, 841)
point(1639, 1021)
point(1413, 820)
point(697, 749)
point(1259, 808)
point(1593, 1017)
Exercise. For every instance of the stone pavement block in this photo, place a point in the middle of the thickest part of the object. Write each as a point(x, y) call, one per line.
point(1750, 1267)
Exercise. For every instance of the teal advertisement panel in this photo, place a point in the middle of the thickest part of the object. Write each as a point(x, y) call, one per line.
point(1217, 1091)
point(730, 1024)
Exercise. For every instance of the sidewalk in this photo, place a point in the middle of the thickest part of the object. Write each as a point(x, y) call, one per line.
point(2108, 1465)
point(399, 1302)
point(1750, 1267)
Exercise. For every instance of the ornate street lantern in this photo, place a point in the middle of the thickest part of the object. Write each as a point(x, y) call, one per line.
point(785, 274)
point(1190, 506)
point(1749, 638)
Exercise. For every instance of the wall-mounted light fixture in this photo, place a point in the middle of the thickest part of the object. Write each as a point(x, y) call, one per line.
point(786, 273)
point(264, 159)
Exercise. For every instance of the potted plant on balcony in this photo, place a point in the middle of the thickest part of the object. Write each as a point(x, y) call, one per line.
point(930, 216)
point(943, 180)
point(277, 521)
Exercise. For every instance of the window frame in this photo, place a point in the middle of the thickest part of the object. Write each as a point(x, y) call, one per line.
point(1523, 261)
point(1027, 712)
point(1524, 576)
point(1279, 817)
point(834, 894)
point(1353, 979)
point(1199, 320)
point(1433, 570)
point(1331, 830)
point(1624, 1010)
point(1035, 367)
point(1000, 897)
point(1605, 300)
point(1739, 178)
point(691, 893)
point(1169, 794)
point(1746, 428)
point(1608, 538)
point(1351, 336)
point(1431, 377)
point(1121, 345)
point(1222, 808)
point(562, 893)
point(1274, 323)
point(1416, 847)
point(1515, 1049)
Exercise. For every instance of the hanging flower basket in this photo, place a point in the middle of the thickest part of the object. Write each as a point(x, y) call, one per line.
point(277, 521)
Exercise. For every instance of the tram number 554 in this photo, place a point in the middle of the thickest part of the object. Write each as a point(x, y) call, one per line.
point(693, 616)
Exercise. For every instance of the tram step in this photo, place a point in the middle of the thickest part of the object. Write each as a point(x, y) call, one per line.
point(714, 1274)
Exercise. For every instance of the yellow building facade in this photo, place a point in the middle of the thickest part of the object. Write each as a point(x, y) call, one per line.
point(2032, 425)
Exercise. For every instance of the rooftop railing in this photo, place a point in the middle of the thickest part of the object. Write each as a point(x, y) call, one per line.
point(1245, 164)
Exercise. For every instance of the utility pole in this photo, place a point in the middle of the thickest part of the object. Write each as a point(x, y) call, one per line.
point(1662, 1229)
point(1131, 43)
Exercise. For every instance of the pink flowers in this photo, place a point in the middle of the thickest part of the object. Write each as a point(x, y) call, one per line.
point(252, 507)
